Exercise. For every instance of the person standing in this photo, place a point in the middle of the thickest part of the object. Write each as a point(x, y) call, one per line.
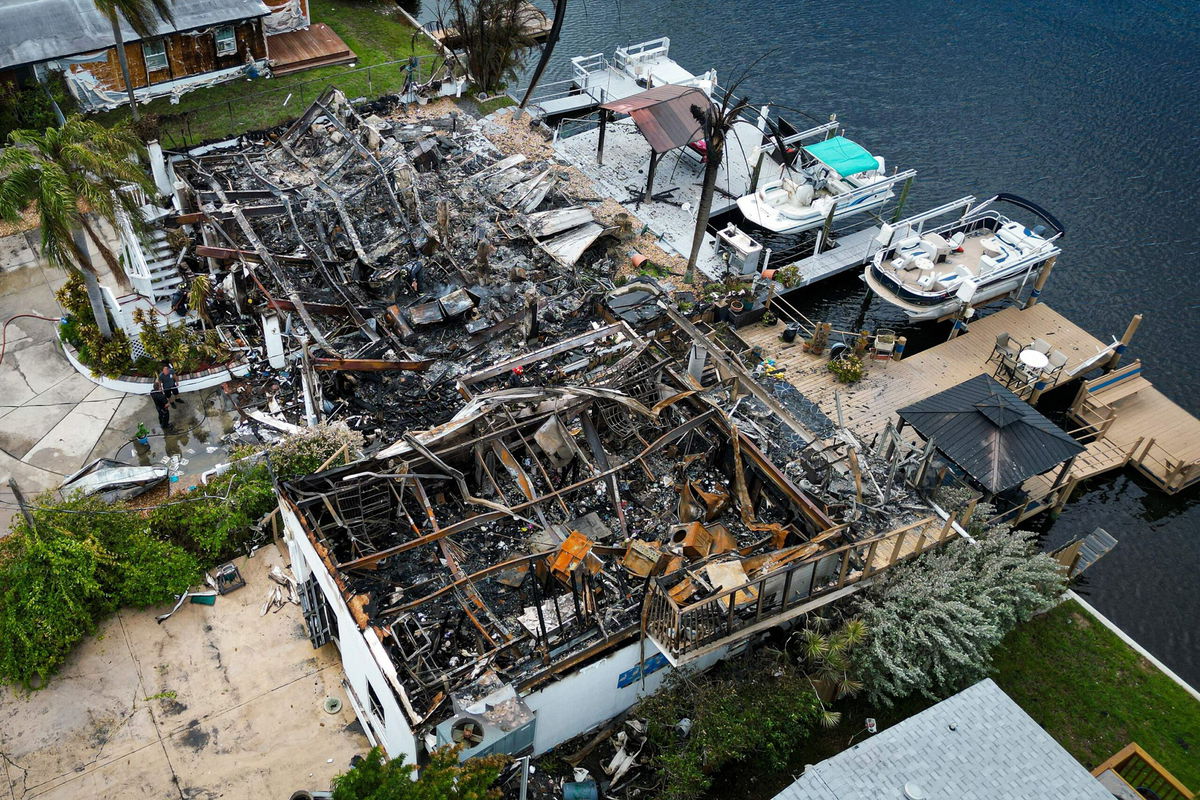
point(170, 384)
point(159, 395)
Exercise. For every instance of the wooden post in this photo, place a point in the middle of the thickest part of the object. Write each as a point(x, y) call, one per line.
point(603, 130)
point(1063, 496)
point(1125, 338)
point(757, 171)
point(903, 199)
point(1038, 387)
point(1040, 282)
point(650, 177)
point(1062, 473)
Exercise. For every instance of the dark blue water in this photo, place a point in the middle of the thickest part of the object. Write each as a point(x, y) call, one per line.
point(1090, 108)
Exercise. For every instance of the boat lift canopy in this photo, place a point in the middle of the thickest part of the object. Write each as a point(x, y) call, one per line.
point(843, 156)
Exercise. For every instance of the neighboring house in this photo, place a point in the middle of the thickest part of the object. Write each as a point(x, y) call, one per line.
point(976, 745)
point(210, 41)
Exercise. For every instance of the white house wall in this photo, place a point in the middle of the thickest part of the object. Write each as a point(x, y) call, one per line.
point(358, 662)
point(589, 696)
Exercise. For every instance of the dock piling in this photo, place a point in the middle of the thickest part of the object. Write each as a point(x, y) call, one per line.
point(1120, 349)
point(1040, 282)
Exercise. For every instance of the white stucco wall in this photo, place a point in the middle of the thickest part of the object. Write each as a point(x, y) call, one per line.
point(359, 663)
point(587, 697)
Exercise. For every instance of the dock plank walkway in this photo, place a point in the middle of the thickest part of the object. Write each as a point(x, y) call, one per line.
point(1148, 430)
point(871, 403)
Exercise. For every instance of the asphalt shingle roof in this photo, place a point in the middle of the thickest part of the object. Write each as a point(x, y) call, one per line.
point(976, 745)
point(995, 436)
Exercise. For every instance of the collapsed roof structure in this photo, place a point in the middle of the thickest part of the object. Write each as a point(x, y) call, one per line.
point(407, 255)
point(571, 487)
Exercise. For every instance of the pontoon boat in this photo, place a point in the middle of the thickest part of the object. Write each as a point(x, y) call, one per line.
point(982, 255)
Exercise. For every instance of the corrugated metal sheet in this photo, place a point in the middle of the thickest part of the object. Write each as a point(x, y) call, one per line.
point(32, 31)
point(664, 115)
point(995, 436)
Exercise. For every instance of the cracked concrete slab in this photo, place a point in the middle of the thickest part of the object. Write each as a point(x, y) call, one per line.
point(68, 444)
point(215, 702)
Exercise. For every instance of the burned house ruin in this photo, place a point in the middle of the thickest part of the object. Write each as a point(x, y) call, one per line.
point(571, 488)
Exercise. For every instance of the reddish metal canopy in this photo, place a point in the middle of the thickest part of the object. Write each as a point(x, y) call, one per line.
point(664, 115)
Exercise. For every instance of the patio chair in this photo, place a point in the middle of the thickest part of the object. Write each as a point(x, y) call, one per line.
point(1005, 345)
point(1008, 369)
point(1058, 360)
point(884, 345)
point(1041, 345)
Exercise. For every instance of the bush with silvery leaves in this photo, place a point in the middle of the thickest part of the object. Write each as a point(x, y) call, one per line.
point(936, 620)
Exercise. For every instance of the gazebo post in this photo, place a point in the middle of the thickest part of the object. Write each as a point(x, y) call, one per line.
point(603, 130)
point(650, 177)
point(1062, 473)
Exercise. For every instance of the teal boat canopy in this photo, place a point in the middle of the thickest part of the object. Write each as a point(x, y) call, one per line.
point(843, 156)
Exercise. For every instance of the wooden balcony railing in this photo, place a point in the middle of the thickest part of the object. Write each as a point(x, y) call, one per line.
point(1141, 773)
point(687, 631)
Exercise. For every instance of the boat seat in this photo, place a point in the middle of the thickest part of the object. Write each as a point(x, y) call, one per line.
point(956, 241)
point(939, 246)
point(949, 279)
point(991, 246)
point(925, 281)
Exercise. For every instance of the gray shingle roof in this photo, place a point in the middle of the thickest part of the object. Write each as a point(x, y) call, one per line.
point(995, 752)
point(39, 30)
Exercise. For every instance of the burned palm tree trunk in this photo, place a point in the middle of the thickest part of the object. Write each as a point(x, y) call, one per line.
point(715, 122)
point(560, 15)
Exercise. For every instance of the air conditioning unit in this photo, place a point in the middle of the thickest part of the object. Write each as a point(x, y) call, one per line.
point(742, 252)
point(489, 717)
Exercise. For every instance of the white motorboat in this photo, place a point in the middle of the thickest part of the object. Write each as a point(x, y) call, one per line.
point(835, 174)
point(982, 255)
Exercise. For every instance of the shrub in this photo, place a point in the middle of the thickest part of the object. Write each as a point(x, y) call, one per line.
point(84, 559)
point(444, 778)
point(738, 710)
point(788, 276)
point(936, 620)
point(847, 369)
point(50, 598)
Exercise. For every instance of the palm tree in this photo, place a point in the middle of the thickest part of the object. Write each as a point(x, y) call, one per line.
point(140, 14)
point(67, 172)
point(560, 16)
point(198, 294)
point(715, 122)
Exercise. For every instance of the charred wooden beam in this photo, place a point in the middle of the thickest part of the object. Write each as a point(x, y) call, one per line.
point(368, 365)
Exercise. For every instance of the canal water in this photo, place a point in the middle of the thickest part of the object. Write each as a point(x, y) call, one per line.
point(1089, 109)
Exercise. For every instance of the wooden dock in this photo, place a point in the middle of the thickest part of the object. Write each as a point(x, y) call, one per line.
point(1142, 428)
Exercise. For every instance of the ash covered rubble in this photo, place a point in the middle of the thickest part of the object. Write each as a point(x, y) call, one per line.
point(544, 526)
point(364, 263)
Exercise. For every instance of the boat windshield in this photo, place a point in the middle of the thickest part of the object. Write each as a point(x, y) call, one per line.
point(843, 156)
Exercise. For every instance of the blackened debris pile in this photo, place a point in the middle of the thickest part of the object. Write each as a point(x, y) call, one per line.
point(386, 259)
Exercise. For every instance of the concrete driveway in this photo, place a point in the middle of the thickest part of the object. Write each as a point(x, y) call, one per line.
point(54, 420)
point(216, 702)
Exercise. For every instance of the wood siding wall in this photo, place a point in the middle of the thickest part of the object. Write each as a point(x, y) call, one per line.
point(188, 54)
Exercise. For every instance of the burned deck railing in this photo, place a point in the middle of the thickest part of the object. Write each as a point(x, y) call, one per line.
point(686, 631)
point(1137, 769)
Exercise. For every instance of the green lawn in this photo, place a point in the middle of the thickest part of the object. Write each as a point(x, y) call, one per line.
point(1095, 695)
point(1085, 686)
point(374, 29)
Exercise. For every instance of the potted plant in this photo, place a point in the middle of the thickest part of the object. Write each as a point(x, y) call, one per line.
point(736, 306)
point(768, 319)
point(142, 434)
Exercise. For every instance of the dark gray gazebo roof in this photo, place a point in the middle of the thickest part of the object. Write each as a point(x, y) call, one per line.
point(993, 435)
